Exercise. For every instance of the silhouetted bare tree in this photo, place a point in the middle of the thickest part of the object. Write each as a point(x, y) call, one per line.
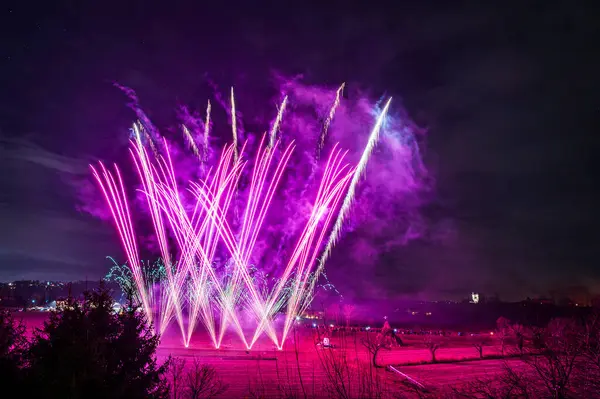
point(502, 332)
point(479, 343)
point(519, 333)
point(202, 381)
point(374, 343)
point(556, 364)
point(175, 374)
point(348, 311)
point(433, 344)
point(508, 385)
point(350, 378)
point(589, 338)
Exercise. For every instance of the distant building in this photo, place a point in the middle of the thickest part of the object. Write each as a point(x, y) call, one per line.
point(312, 315)
point(63, 303)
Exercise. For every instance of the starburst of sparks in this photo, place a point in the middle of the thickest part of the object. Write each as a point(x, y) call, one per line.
point(190, 284)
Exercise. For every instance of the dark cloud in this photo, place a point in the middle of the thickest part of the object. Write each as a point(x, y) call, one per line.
point(42, 235)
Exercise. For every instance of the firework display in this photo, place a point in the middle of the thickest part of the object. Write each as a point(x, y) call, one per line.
point(207, 228)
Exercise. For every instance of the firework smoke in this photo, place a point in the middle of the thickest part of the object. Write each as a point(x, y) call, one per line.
point(360, 169)
point(215, 225)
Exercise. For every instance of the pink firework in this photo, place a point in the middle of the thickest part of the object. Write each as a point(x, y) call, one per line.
point(200, 222)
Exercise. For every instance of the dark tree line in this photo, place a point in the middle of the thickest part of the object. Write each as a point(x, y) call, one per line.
point(560, 361)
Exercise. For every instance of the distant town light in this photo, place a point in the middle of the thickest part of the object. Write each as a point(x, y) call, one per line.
point(314, 324)
point(331, 325)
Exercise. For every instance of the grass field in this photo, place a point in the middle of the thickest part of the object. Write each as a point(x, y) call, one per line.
point(303, 366)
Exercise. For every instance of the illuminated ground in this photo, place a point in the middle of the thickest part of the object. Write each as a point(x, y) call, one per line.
point(267, 372)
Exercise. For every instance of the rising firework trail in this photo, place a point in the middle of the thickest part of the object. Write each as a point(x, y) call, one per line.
point(278, 118)
point(206, 132)
point(190, 141)
point(360, 169)
point(234, 127)
point(206, 275)
point(328, 120)
point(116, 199)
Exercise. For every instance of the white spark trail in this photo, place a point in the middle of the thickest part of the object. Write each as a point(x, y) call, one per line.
point(360, 168)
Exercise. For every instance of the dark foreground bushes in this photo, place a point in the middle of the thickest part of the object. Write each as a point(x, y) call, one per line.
point(84, 350)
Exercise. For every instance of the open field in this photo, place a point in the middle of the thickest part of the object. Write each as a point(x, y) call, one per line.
point(301, 365)
point(271, 372)
point(449, 374)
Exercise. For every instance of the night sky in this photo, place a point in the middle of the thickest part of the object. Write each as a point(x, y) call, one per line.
point(507, 91)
